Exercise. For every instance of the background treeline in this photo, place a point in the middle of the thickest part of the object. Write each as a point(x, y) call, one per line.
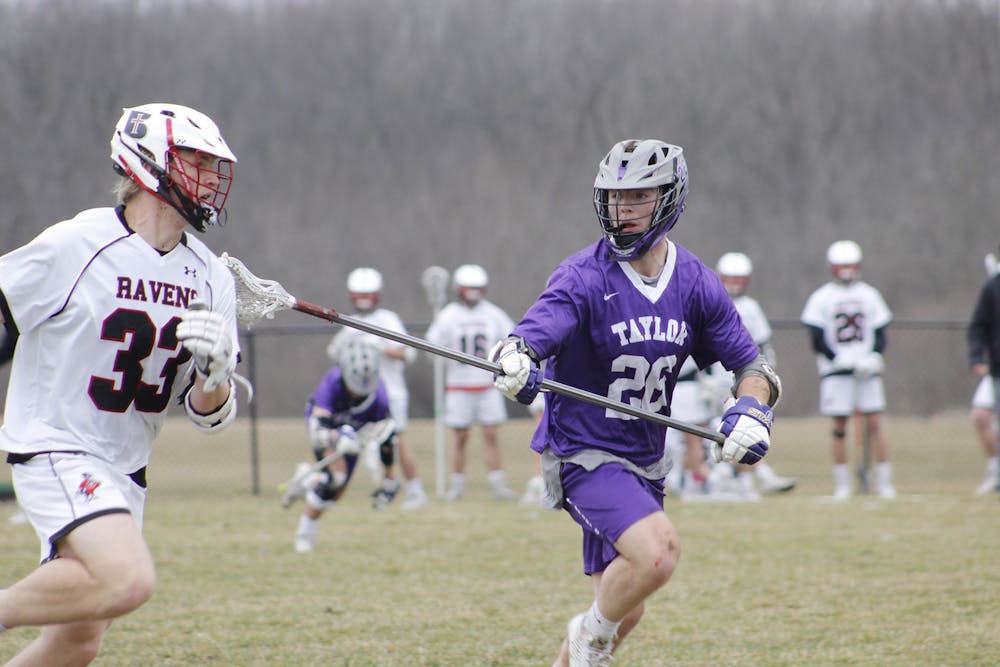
point(401, 134)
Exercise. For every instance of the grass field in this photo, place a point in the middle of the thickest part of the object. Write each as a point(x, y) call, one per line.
point(792, 580)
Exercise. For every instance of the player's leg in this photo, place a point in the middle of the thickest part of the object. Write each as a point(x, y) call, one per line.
point(95, 562)
point(984, 421)
point(399, 406)
point(104, 570)
point(836, 401)
point(321, 496)
point(629, 539)
point(458, 416)
point(871, 401)
point(63, 644)
point(491, 413)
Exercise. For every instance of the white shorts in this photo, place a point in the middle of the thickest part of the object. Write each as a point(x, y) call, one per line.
point(58, 492)
point(399, 408)
point(984, 395)
point(841, 395)
point(486, 407)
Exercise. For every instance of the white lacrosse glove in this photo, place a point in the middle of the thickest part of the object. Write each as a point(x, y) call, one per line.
point(747, 427)
point(521, 378)
point(347, 441)
point(869, 365)
point(205, 334)
point(842, 363)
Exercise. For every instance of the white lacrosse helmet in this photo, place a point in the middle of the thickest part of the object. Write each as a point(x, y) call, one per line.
point(734, 264)
point(149, 146)
point(844, 258)
point(364, 286)
point(471, 275)
point(735, 269)
point(470, 283)
point(639, 164)
point(359, 366)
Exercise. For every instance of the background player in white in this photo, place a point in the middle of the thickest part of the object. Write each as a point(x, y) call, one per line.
point(984, 350)
point(364, 286)
point(689, 475)
point(847, 318)
point(472, 324)
point(618, 318)
point(101, 306)
point(735, 269)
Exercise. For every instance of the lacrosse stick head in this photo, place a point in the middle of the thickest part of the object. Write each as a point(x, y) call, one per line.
point(435, 281)
point(257, 299)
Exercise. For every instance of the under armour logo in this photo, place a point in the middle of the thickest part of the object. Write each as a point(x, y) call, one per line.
point(188, 271)
point(608, 296)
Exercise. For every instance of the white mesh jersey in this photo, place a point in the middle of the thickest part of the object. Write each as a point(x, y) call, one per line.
point(98, 360)
point(473, 331)
point(391, 370)
point(848, 316)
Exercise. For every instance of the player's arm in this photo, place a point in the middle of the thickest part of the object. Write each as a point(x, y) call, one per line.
point(211, 401)
point(818, 342)
point(747, 421)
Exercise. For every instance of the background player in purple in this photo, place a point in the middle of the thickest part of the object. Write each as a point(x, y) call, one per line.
point(350, 395)
point(104, 310)
point(618, 319)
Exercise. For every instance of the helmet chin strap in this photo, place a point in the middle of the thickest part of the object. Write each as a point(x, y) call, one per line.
point(194, 212)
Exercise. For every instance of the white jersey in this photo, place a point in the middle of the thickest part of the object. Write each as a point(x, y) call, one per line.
point(473, 331)
point(98, 360)
point(753, 319)
point(391, 370)
point(848, 316)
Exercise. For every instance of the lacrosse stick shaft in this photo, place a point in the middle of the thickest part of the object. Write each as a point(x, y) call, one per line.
point(547, 385)
point(276, 298)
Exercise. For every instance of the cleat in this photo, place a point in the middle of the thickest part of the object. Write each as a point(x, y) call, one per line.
point(382, 496)
point(887, 492)
point(415, 501)
point(777, 484)
point(585, 649)
point(842, 493)
point(503, 492)
point(453, 494)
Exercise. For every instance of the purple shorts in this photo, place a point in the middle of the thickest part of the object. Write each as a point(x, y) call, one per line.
point(605, 503)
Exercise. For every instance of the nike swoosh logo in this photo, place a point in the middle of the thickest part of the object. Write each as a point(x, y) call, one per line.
point(608, 296)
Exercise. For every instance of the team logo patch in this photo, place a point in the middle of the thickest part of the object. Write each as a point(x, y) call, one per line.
point(88, 487)
point(134, 126)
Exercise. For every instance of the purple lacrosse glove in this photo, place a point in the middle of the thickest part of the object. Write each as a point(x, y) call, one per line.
point(747, 427)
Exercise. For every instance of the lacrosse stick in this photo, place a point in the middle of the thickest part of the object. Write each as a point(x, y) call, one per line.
point(260, 299)
point(864, 445)
point(435, 283)
point(371, 434)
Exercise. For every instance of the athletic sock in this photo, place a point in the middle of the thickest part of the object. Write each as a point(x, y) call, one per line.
point(496, 478)
point(764, 471)
point(842, 476)
point(598, 625)
point(992, 464)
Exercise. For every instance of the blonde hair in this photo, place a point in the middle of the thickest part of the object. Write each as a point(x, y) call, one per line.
point(125, 189)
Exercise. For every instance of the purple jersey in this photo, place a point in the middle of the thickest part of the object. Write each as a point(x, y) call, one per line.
point(332, 395)
point(605, 330)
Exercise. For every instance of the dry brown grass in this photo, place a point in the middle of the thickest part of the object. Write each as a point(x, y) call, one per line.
point(792, 580)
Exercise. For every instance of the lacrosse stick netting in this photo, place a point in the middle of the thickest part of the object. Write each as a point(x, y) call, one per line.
point(259, 299)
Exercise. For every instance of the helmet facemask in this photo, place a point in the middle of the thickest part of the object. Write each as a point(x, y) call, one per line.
point(640, 165)
point(197, 185)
